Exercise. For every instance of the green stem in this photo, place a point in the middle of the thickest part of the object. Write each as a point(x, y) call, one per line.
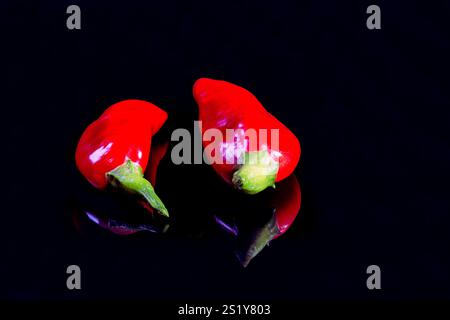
point(257, 173)
point(129, 177)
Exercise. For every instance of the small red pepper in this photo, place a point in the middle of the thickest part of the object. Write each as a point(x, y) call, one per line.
point(114, 149)
point(223, 105)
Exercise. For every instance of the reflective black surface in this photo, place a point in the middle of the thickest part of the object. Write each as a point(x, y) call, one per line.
point(370, 109)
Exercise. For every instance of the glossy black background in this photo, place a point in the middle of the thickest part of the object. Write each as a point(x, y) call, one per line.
point(371, 109)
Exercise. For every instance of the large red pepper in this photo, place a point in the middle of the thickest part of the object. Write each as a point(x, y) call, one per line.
point(223, 105)
point(115, 149)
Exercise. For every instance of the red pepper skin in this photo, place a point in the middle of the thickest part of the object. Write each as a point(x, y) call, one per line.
point(223, 105)
point(158, 153)
point(115, 148)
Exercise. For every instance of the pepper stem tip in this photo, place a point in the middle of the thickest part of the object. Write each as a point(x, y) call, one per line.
point(130, 178)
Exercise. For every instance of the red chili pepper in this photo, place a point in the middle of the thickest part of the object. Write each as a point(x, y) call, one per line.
point(115, 149)
point(223, 105)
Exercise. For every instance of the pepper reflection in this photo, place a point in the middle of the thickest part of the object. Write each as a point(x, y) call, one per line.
point(121, 227)
point(255, 229)
point(252, 221)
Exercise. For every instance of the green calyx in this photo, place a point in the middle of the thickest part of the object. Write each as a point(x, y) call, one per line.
point(258, 172)
point(129, 177)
